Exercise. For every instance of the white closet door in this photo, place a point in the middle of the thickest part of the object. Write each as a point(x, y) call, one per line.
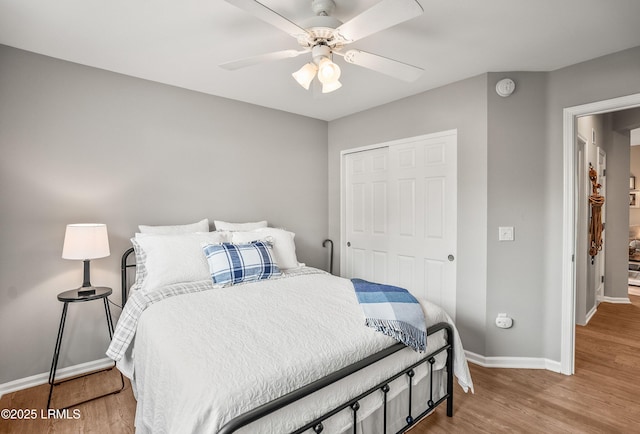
point(367, 193)
point(401, 216)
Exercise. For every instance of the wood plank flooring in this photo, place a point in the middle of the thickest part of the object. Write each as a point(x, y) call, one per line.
point(603, 396)
point(111, 414)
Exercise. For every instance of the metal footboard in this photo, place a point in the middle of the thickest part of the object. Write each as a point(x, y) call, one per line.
point(384, 388)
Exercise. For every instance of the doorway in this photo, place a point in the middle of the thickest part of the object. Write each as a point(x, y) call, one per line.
point(592, 142)
point(570, 150)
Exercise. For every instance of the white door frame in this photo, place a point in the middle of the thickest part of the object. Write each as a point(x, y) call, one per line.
point(582, 223)
point(567, 334)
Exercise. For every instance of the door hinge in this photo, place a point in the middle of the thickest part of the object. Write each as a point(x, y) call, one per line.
point(602, 278)
point(604, 172)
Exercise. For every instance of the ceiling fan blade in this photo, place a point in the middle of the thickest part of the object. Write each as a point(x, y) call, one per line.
point(384, 65)
point(254, 60)
point(270, 16)
point(381, 16)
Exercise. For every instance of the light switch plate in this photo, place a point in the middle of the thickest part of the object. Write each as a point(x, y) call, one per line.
point(505, 233)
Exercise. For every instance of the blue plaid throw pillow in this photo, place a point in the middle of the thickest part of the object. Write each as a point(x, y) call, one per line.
point(234, 263)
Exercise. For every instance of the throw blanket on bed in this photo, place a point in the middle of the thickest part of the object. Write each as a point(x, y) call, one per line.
point(392, 311)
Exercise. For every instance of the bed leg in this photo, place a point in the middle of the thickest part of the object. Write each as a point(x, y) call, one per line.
point(450, 372)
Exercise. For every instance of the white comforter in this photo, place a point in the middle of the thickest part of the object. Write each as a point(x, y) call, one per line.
point(205, 357)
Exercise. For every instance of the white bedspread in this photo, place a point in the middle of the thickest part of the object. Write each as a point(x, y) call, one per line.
point(205, 357)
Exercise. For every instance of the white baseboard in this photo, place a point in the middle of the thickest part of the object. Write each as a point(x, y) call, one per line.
point(83, 368)
point(619, 300)
point(590, 314)
point(513, 362)
point(70, 371)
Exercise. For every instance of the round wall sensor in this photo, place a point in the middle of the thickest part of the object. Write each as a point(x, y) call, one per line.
point(505, 87)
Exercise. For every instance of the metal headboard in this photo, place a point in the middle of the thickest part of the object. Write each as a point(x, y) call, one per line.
point(123, 273)
point(324, 244)
point(124, 265)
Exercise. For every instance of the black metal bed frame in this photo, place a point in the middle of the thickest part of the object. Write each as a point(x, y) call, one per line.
point(354, 404)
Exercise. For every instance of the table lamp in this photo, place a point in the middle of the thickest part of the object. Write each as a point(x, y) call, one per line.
point(86, 241)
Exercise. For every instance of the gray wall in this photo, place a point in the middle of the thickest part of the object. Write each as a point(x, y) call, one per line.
point(461, 106)
point(516, 172)
point(511, 173)
point(525, 153)
point(82, 145)
point(616, 144)
point(600, 79)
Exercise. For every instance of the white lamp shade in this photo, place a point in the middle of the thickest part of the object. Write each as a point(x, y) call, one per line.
point(305, 75)
point(84, 241)
point(330, 87)
point(328, 72)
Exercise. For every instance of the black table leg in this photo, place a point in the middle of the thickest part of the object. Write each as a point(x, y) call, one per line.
point(56, 354)
point(107, 311)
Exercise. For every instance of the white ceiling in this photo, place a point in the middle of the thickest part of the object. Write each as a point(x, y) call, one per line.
point(181, 43)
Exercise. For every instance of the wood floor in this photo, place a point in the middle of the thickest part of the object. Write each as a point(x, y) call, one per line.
point(111, 414)
point(602, 397)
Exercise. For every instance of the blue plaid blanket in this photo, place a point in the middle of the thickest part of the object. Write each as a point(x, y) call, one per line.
point(392, 311)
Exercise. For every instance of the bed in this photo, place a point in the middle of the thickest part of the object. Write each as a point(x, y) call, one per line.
point(289, 353)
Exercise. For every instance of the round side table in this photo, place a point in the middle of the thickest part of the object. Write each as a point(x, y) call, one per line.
point(72, 296)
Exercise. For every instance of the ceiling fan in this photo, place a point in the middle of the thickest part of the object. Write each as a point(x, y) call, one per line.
point(323, 36)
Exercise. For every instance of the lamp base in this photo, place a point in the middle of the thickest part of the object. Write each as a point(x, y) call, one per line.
point(86, 291)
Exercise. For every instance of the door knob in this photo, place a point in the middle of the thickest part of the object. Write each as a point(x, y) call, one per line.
point(451, 258)
point(348, 243)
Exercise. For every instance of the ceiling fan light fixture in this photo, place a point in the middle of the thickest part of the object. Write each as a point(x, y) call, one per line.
point(324, 35)
point(304, 76)
point(330, 87)
point(328, 72)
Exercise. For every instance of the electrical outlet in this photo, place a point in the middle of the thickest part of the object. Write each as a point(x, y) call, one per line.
point(503, 321)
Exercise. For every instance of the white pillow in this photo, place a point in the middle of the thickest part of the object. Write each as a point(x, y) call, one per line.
point(284, 248)
point(173, 258)
point(226, 226)
point(201, 226)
